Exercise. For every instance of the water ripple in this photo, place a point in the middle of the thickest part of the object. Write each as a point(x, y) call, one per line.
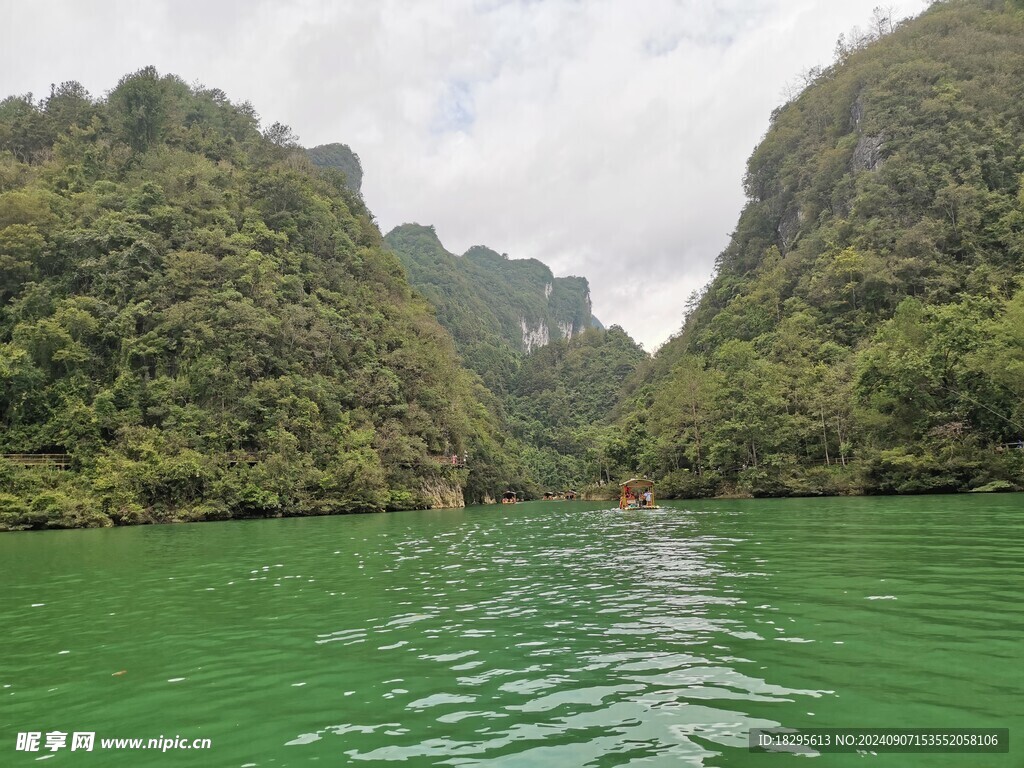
point(543, 635)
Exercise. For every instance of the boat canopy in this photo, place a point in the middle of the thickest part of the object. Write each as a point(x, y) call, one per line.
point(637, 493)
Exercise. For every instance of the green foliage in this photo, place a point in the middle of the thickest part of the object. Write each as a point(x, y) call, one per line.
point(139, 106)
point(210, 325)
point(559, 401)
point(557, 398)
point(489, 303)
point(863, 332)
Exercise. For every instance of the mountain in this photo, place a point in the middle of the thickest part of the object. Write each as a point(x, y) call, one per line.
point(864, 331)
point(496, 308)
point(556, 371)
point(209, 326)
point(560, 403)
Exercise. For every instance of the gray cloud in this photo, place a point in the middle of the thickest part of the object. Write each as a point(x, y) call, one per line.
point(607, 139)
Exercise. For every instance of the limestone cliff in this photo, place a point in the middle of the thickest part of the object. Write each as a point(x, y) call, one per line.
point(496, 308)
point(442, 494)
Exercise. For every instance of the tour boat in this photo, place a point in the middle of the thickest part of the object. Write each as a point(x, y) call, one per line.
point(637, 493)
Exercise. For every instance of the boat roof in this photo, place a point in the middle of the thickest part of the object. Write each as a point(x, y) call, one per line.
point(637, 482)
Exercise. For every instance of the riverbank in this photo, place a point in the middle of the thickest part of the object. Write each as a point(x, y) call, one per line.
point(42, 499)
point(54, 509)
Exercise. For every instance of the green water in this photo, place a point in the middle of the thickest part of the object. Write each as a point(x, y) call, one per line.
point(541, 634)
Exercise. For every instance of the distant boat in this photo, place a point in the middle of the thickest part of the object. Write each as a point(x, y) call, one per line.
point(637, 493)
point(509, 497)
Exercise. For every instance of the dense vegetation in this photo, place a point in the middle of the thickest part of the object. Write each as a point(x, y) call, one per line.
point(491, 304)
point(557, 397)
point(865, 329)
point(560, 403)
point(210, 326)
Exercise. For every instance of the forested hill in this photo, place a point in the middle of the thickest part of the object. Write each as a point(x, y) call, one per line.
point(496, 308)
point(210, 326)
point(865, 329)
point(556, 371)
point(560, 404)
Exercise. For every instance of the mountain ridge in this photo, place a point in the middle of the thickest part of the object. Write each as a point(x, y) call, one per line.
point(496, 308)
point(847, 341)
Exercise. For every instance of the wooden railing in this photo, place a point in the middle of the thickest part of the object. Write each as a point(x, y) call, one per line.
point(244, 458)
point(44, 460)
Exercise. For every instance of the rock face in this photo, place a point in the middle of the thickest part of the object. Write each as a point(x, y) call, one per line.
point(443, 494)
point(534, 338)
point(789, 228)
point(867, 155)
point(490, 302)
point(857, 111)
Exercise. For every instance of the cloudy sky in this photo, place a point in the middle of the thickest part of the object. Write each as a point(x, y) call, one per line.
point(606, 138)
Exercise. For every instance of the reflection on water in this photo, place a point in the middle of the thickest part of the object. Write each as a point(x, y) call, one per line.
point(560, 648)
point(541, 634)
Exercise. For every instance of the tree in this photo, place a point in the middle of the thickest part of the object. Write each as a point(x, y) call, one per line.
point(281, 135)
point(140, 107)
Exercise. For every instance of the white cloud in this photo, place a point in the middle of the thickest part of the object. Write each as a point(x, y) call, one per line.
point(607, 139)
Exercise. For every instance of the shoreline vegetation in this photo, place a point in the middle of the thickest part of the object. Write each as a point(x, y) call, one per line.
point(57, 495)
point(205, 317)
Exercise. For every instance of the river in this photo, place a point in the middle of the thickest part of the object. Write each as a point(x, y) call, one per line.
point(540, 634)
